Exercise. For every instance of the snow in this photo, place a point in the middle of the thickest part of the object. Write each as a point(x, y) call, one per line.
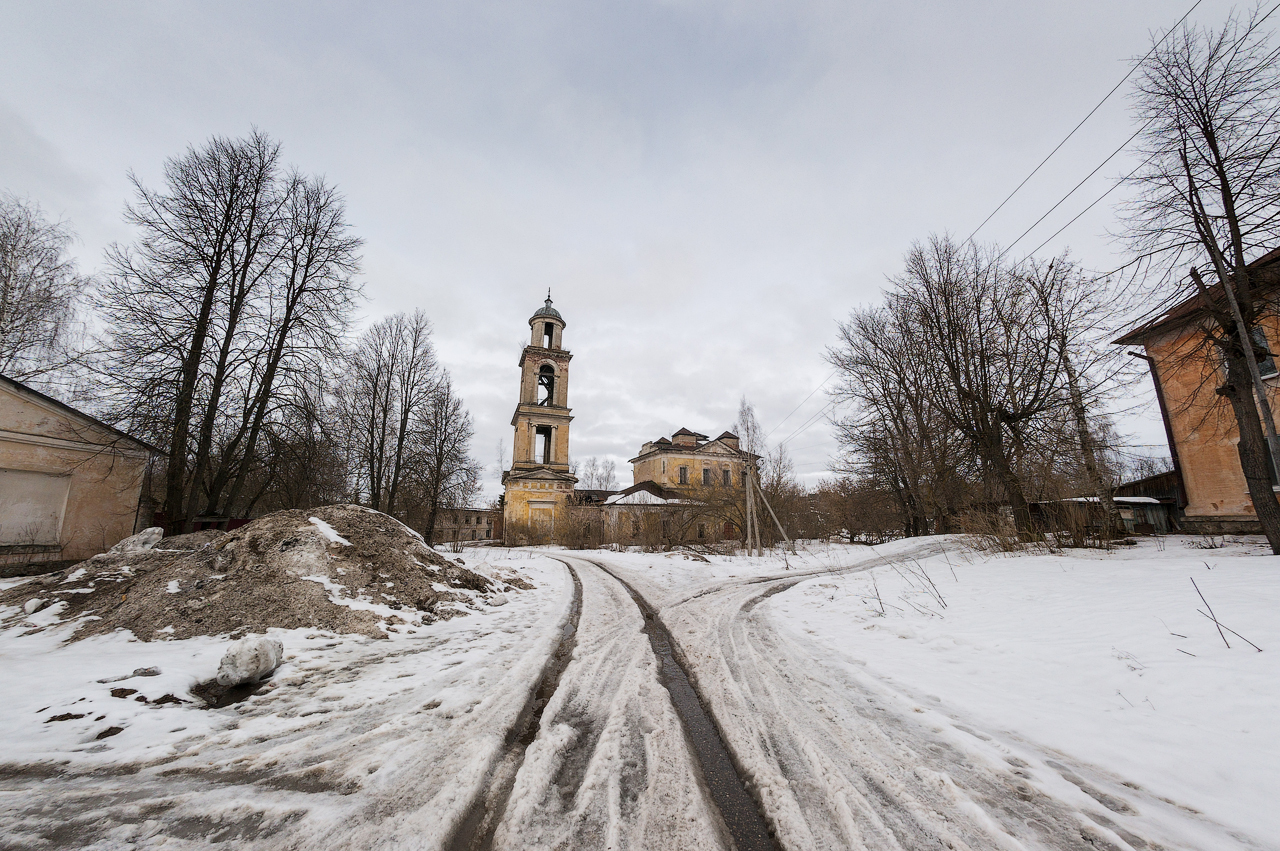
point(329, 532)
point(916, 694)
point(1099, 656)
point(174, 587)
point(354, 742)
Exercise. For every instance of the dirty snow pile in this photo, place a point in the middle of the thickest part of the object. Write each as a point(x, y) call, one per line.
point(1104, 657)
point(341, 567)
point(352, 742)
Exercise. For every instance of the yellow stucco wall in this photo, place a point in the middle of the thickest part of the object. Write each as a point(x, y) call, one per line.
point(534, 503)
point(664, 468)
point(103, 474)
point(1203, 424)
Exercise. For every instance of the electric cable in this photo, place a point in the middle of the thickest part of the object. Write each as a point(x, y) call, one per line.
point(1065, 139)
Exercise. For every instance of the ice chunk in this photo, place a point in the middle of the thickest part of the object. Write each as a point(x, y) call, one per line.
point(34, 605)
point(249, 660)
point(329, 532)
point(144, 540)
point(498, 600)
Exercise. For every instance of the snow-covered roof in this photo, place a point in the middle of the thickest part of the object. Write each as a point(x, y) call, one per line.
point(1144, 500)
point(641, 497)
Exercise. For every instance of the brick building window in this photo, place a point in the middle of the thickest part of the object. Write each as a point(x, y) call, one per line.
point(706, 477)
point(684, 475)
point(728, 478)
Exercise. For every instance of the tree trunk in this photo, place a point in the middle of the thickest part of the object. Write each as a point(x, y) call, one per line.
point(1112, 524)
point(1252, 447)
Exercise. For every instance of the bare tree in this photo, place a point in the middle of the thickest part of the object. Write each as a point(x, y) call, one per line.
point(39, 291)
point(607, 475)
point(385, 394)
point(997, 368)
point(446, 475)
point(239, 277)
point(1210, 199)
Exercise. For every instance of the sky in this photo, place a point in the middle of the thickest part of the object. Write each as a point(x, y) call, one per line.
point(707, 188)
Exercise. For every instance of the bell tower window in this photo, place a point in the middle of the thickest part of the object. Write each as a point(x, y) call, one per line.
point(542, 444)
point(546, 385)
point(548, 334)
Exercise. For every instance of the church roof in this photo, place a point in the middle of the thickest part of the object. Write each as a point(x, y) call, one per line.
point(729, 435)
point(689, 433)
point(548, 310)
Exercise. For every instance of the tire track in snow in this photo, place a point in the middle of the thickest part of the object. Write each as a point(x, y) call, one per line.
point(835, 765)
point(724, 782)
point(610, 766)
point(475, 833)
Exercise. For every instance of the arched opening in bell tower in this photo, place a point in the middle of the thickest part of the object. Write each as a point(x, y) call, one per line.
point(546, 385)
point(548, 335)
point(542, 445)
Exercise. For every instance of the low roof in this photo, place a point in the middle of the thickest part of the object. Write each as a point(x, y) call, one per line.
point(22, 389)
point(646, 493)
point(1192, 308)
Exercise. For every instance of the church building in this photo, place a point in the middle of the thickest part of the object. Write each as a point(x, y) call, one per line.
point(686, 486)
point(539, 484)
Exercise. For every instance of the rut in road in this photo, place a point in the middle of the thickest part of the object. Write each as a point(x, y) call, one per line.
point(729, 791)
point(475, 833)
point(611, 765)
point(838, 764)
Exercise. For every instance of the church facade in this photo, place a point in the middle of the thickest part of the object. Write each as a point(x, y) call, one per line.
point(539, 486)
point(686, 487)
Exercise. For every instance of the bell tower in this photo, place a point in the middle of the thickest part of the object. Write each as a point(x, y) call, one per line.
point(539, 483)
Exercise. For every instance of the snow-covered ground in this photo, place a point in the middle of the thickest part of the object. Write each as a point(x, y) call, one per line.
point(917, 694)
point(1100, 656)
point(1084, 683)
point(356, 743)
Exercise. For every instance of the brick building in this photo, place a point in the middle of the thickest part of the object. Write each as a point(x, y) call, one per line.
point(1199, 423)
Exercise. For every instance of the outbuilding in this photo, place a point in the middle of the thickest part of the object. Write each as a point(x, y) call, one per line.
point(70, 484)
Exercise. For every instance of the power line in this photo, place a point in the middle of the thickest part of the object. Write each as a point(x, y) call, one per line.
point(1065, 139)
point(1077, 216)
point(806, 399)
point(1063, 199)
point(809, 422)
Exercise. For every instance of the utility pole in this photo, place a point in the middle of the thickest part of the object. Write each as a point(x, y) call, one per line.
point(790, 544)
point(751, 530)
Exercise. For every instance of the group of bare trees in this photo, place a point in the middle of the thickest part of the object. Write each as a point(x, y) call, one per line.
point(597, 474)
point(39, 292)
point(408, 433)
point(977, 382)
point(973, 384)
point(224, 341)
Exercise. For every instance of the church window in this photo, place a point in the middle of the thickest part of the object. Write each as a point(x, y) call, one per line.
point(706, 479)
point(546, 385)
point(728, 478)
point(684, 475)
point(548, 334)
point(542, 445)
point(702, 530)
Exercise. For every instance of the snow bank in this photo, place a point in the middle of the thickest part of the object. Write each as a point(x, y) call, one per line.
point(353, 743)
point(1099, 656)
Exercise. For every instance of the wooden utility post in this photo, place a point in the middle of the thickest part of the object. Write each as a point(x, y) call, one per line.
point(790, 544)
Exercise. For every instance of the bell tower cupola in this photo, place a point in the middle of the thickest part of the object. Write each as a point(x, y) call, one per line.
point(540, 483)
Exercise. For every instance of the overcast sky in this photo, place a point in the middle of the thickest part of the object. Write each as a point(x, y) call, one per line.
point(707, 188)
